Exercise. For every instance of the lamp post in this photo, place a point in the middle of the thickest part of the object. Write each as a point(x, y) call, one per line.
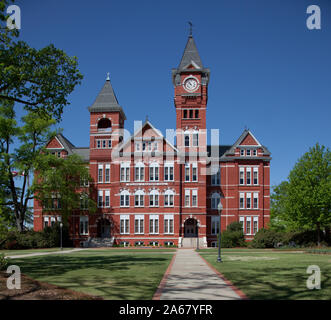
point(198, 225)
point(61, 225)
point(219, 208)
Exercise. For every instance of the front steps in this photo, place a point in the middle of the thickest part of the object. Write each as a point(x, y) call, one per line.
point(99, 242)
point(192, 243)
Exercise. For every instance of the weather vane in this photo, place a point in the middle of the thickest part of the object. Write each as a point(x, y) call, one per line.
point(191, 25)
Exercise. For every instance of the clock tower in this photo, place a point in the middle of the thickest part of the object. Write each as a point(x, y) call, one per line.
point(190, 81)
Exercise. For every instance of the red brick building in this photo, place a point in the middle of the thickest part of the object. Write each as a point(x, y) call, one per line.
point(156, 190)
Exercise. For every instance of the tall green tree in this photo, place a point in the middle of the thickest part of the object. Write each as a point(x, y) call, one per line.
point(20, 147)
point(304, 201)
point(63, 184)
point(40, 79)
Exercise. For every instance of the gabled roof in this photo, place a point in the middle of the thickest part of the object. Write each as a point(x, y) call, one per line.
point(139, 130)
point(190, 56)
point(237, 144)
point(106, 101)
point(83, 152)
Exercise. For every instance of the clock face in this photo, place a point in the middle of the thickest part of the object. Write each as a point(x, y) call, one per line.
point(191, 84)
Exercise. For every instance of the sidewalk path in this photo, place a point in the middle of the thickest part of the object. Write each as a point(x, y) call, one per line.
point(190, 278)
point(43, 253)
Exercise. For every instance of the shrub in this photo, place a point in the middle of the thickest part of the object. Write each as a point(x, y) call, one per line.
point(267, 238)
point(233, 236)
point(4, 263)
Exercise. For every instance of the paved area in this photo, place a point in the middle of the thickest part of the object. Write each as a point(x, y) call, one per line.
point(43, 253)
point(190, 278)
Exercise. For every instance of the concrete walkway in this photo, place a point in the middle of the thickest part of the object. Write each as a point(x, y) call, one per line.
point(190, 278)
point(43, 253)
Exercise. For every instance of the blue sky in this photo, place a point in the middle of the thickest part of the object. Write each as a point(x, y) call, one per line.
point(268, 71)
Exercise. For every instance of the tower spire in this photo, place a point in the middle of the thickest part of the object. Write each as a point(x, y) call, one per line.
point(191, 26)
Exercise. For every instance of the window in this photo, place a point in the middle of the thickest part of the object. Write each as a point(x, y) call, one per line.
point(84, 201)
point(248, 200)
point(107, 198)
point(139, 172)
point(168, 223)
point(137, 146)
point(241, 176)
point(154, 224)
point(154, 172)
point(194, 198)
point(154, 243)
point(46, 222)
point(154, 198)
point(191, 114)
point(248, 152)
point(248, 225)
point(104, 125)
point(185, 114)
point(100, 173)
point(194, 172)
point(139, 224)
point(169, 198)
point(187, 198)
point(195, 139)
point(100, 199)
point(216, 178)
point(139, 198)
point(168, 243)
point(52, 221)
point(187, 172)
point(255, 200)
point(104, 144)
point(107, 173)
point(215, 224)
point(169, 172)
point(83, 225)
point(125, 172)
point(215, 200)
point(124, 199)
point(242, 201)
point(242, 222)
point(196, 114)
point(254, 152)
point(248, 176)
point(187, 140)
point(242, 152)
point(84, 182)
point(124, 224)
point(255, 225)
point(255, 176)
point(99, 144)
point(109, 143)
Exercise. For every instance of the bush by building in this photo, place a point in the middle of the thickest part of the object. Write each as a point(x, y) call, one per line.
point(233, 236)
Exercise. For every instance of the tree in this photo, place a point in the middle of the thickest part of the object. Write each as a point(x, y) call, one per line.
point(63, 184)
point(39, 79)
point(17, 163)
point(304, 201)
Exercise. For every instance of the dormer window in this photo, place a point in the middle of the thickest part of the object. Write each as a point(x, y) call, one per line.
point(242, 152)
point(254, 152)
point(104, 125)
point(248, 152)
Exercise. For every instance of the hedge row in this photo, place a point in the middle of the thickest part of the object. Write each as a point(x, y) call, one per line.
point(48, 238)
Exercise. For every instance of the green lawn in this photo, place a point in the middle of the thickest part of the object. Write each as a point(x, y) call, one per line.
point(27, 251)
point(272, 274)
point(108, 273)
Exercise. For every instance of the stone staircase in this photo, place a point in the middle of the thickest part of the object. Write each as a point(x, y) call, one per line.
point(192, 243)
point(99, 242)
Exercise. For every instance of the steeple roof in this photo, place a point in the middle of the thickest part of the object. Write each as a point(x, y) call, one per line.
point(106, 100)
point(191, 55)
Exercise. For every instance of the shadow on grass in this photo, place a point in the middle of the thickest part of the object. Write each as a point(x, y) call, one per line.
point(112, 277)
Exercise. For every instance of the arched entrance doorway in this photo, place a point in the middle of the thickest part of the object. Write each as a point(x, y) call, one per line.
point(190, 228)
point(103, 228)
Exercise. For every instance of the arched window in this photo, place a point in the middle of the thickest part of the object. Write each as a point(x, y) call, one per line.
point(104, 124)
point(139, 198)
point(139, 172)
point(215, 200)
point(154, 198)
point(186, 139)
point(125, 198)
point(169, 198)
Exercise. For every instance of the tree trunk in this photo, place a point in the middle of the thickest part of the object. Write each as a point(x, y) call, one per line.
point(318, 234)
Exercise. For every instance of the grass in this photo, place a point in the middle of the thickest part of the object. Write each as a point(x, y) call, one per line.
point(264, 274)
point(107, 273)
point(27, 251)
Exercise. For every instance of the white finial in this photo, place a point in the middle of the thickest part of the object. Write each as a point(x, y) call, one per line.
point(108, 76)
